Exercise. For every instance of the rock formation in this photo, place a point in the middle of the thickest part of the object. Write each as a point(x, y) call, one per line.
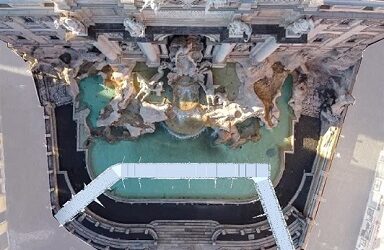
point(197, 101)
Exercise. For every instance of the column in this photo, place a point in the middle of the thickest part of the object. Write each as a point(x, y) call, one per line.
point(151, 53)
point(208, 50)
point(220, 53)
point(109, 48)
point(261, 51)
point(164, 49)
point(28, 34)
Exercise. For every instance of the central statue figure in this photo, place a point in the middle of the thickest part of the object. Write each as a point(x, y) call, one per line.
point(185, 65)
point(187, 102)
point(185, 79)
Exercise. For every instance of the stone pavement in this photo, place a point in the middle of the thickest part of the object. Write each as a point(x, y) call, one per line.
point(352, 172)
point(30, 223)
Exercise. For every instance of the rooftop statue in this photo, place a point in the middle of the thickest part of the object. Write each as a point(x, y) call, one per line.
point(154, 4)
point(300, 27)
point(215, 4)
point(238, 28)
point(72, 25)
point(135, 28)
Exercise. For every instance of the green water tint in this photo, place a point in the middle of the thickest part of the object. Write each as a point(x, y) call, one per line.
point(162, 147)
point(94, 95)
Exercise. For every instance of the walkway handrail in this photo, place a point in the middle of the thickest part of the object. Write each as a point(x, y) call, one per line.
point(259, 173)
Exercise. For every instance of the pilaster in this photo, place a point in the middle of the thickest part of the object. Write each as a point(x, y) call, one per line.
point(220, 54)
point(151, 53)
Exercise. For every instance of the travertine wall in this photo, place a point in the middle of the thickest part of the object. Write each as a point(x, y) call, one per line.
point(27, 25)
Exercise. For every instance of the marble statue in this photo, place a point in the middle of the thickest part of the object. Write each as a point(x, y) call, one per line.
point(154, 4)
point(300, 27)
point(333, 113)
point(145, 88)
point(228, 115)
point(208, 85)
point(68, 75)
point(209, 94)
point(153, 85)
point(72, 25)
point(238, 28)
point(135, 28)
point(184, 63)
point(215, 4)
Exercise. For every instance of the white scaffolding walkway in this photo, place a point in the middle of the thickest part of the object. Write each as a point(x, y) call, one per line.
point(259, 173)
point(83, 198)
point(275, 217)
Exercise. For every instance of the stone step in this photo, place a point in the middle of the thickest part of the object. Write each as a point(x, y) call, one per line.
point(178, 227)
point(184, 224)
point(177, 237)
point(184, 235)
point(183, 230)
point(183, 242)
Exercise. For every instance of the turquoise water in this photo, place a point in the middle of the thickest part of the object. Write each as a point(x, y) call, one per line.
point(161, 147)
point(95, 95)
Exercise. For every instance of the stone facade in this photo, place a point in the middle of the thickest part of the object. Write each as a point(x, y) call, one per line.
point(318, 41)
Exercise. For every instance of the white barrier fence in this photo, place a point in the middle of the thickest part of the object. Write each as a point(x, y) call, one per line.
point(259, 173)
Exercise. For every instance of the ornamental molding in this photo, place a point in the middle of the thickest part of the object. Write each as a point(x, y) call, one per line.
point(72, 25)
point(62, 5)
point(299, 27)
point(191, 14)
point(240, 29)
point(155, 5)
point(135, 28)
point(313, 3)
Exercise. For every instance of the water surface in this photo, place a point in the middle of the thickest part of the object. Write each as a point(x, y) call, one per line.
point(162, 147)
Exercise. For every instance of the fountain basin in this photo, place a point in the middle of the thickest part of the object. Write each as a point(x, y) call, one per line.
point(161, 146)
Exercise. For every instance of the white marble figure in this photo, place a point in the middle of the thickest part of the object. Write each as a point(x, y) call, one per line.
point(153, 85)
point(145, 88)
point(300, 27)
point(135, 28)
point(215, 4)
point(208, 86)
point(184, 63)
point(154, 4)
point(69, 74)
point(72, 25)
point(228, 116)
point(209, 94)
point(237, 29)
